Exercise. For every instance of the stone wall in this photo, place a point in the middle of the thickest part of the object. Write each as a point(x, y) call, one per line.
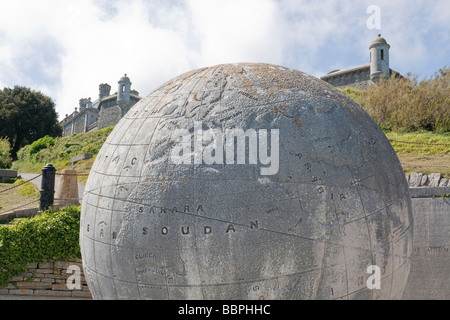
point(419, 179)
point(429, 277)
point(48, 280)
point(109, 116)
point(358, 79)
point(78, 126)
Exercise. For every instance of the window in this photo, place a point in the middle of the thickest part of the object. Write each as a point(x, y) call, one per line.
point(382, 54)
point(123, 88)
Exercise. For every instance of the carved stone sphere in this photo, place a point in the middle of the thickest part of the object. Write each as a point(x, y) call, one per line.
point(246, 181)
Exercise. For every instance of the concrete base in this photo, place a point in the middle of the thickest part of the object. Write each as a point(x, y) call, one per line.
point(429, 277)
point(67, 190)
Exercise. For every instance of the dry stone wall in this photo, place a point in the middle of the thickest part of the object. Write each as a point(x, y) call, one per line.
point(50, 279)
point(419, 179)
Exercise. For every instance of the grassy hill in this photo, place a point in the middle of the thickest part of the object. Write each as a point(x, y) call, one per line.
point(414, 112)
point(427, 151)
point(32, 158)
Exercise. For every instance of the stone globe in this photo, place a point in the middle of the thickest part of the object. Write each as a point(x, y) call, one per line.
point(246, 181)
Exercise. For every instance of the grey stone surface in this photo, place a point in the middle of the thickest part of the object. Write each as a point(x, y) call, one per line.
point(355, 77)
point(6, 174)
point(80, 157)
point(433, 179)
point(420, 192)
point(424, 181)
point(419, 179)
point(443, 182)
point(430, 260)
point(339, 202)
point(415, 179)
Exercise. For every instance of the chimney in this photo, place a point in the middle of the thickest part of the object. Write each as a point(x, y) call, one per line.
point(104, 90)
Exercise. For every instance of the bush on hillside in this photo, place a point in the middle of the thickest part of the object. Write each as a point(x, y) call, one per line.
point(64, 148)
point(406, 104)
point(5, 153)
point(48, 236)
point(40, 144)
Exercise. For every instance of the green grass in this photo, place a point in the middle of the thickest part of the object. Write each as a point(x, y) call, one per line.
point(13, 198)
point(63, 149)
point(421, 157)
point(60, 152)
point(27, 189)
point(420, 137)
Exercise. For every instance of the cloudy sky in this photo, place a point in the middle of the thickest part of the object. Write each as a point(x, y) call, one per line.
point(66, 48)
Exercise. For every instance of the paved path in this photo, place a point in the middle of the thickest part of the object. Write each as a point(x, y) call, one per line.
point(37, 182)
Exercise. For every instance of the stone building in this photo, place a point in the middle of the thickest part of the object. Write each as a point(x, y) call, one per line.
point(105, 111)
point(361, 77)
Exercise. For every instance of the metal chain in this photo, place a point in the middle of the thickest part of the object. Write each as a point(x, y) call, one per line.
point(422, 143)
point(20, 184)
point(424, 165)
point(24, 205)
point(71, 174)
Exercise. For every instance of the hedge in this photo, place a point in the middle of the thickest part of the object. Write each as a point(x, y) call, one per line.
point(48, 236)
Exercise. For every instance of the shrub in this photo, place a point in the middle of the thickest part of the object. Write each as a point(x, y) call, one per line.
point(406, 104)
point(55, 150)
point(48, 236)
point(5, 154)
point(24, 153)
point(40, 144)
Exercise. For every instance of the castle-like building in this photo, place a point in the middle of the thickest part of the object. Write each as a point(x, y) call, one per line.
point(106, 111)
point(361, 77)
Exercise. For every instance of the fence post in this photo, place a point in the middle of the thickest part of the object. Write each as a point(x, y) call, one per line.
point(47, 187)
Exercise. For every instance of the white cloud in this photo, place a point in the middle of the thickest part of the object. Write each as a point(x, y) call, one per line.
point(67, 48)
point(102, 51)
point(238, 31)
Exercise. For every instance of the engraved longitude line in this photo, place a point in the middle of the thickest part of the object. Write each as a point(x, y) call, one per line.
point(367, 223)
point(143, 168)
point(166, 169)
point(313, 146)
point(132, 121)
point(150, 145)
point(95, 227)
point(156, 126)
point(195, 194)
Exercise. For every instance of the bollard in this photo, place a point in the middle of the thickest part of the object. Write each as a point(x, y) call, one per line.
point(67, 190)
point(47, 187)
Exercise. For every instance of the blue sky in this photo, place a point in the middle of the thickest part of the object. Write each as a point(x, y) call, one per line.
point(66, 48)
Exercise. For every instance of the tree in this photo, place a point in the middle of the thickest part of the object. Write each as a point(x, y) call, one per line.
point(5, 153)
point(25, 116)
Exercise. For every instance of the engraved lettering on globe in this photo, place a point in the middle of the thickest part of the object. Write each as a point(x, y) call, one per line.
point(336, 203)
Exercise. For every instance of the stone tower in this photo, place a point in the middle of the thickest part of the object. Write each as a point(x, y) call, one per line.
point(104, 90)
point(379, 59)
point(123, 98)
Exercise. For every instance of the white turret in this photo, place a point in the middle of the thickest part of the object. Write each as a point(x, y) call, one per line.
point(379, 59)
